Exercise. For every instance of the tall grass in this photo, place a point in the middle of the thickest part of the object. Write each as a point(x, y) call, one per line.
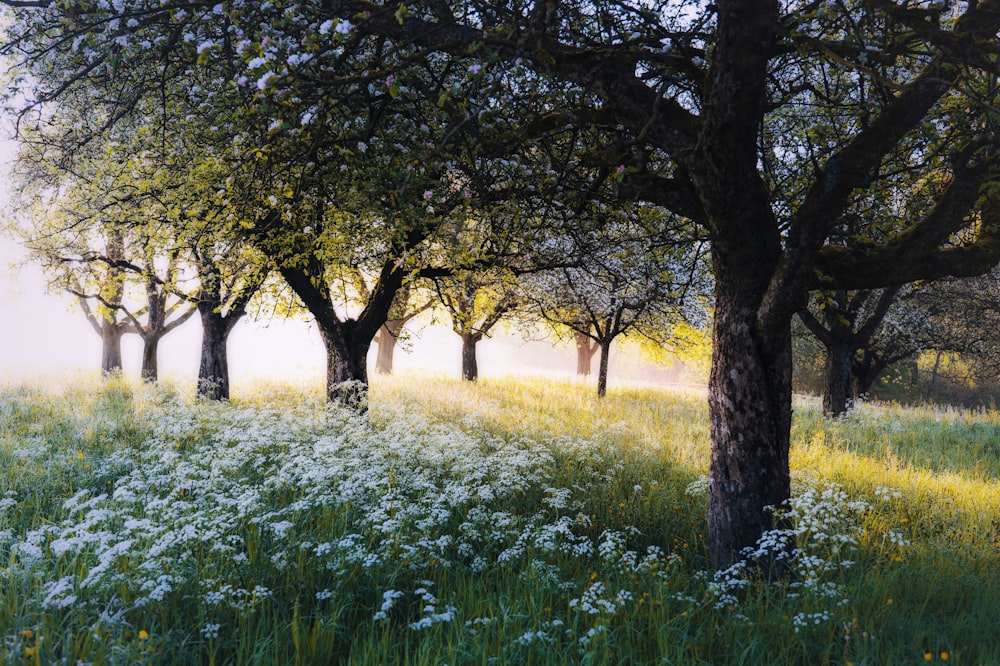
point(503, 522)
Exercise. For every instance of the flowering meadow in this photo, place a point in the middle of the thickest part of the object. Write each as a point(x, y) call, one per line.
point(502, 522)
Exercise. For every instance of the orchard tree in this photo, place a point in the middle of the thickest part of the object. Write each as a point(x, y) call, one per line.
point(99, 289)
point(476, 301)
point(846, 323)
point(635, 274)
point(586, 348)
point(706, 106)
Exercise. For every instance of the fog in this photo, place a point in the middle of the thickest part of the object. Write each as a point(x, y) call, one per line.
point(43, 333)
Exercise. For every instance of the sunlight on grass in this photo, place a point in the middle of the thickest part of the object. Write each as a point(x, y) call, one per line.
point(499, 522)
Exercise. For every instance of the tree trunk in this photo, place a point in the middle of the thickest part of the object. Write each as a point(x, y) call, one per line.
point(585, 349)
point(602, 373)
point(213, 370)
point(470, 366)
point(111, 347)
point(934, 374)
point(387, 337)
point(837, 385)
point(750, 410)
point(346, 367)
point(149, 372)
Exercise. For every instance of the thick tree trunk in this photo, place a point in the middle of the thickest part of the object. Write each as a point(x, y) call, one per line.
point(585, 350)
point(387, 337)
point(750, 409)
point(213, 370)
point(470, 366)
point(111, 347)
point(837, 385)
point(346, 368)
point(150, 345)
point(602, 373)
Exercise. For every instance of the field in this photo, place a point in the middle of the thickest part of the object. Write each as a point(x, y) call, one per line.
point(506, 522)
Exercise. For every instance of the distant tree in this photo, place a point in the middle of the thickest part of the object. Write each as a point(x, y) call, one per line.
point(476, 302)
point(631, 276)
point(586, 347)
point(846, 323)
point(99, 289)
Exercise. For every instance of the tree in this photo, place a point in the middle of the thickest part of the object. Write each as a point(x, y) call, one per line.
point(586, 347)
point(688, 96)
point(476, 302)
point(105, 286)
point(634, 273)
point(846, 323)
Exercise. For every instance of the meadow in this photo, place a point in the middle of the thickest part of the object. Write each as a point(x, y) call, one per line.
point(502, 522)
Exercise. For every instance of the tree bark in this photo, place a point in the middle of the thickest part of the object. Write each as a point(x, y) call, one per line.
point(111, 347)
point(470, 366)
point(602, 373)
point(837, 385)
point(750, 410)
point(346, 366)
point(213, 370)
point(387, 337)
point(585, 350)
point(150, 368)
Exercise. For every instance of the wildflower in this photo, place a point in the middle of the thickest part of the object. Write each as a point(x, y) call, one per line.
point(944, 656)
point(928, 656)
point(143, 634)
point(474, 69)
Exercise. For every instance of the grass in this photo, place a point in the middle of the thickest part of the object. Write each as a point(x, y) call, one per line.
point(506, 522)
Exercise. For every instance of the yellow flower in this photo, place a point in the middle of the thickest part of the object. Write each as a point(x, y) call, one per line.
point(888, 601)
point(944, 656)
point(928, 656)
point(28, 652)
point(27, 634)
point(143, 634)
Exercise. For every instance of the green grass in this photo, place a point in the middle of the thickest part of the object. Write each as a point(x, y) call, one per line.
point(505, 522)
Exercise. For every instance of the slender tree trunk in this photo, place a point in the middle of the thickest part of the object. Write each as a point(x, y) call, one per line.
point(837, 385)
point(387, 337)
point(213, 370)
point(346, 367)
point(602, 373)
point(150, 369)
point(111, 347)
point(750, 410)
point(470, 366)
point(585, 349)
point(934, 374)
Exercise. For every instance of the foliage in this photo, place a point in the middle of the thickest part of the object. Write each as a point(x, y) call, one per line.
point(516, 521)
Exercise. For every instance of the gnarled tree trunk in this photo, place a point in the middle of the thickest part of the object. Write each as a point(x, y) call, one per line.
point(838, 387)
point(346, 367)
point(111, 347)
point(750, 410)
point(470, 366)
point(150, 368)
point(387, 337)
point(213, 368)
point(585, 350)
